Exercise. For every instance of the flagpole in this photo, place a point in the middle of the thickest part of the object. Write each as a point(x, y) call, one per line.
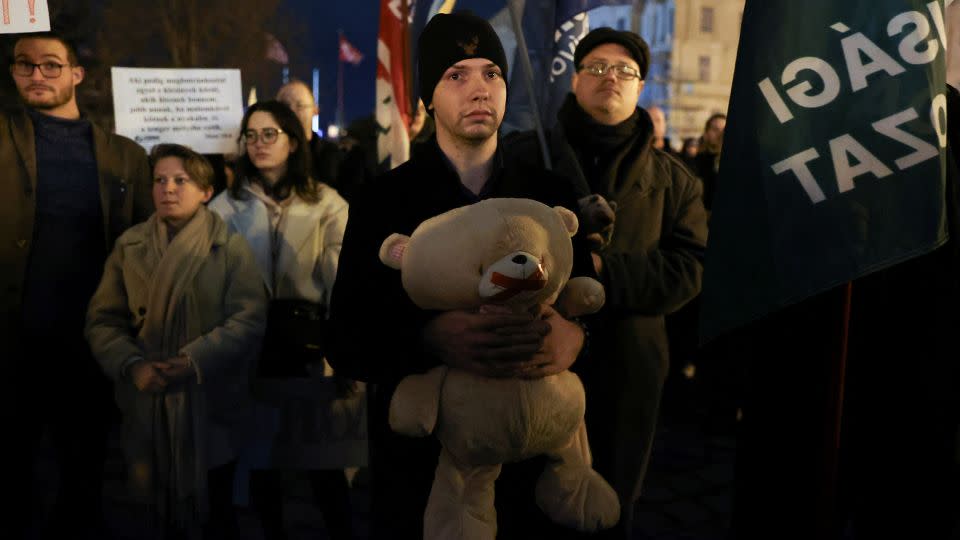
point(827, 512)
point(339, 82)
point(316, 100)
point(528, 80)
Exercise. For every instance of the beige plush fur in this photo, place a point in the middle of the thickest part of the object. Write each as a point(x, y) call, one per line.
point(516, 253)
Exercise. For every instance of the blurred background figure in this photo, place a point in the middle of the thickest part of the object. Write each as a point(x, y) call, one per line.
point(660, 141)
point(324, 155)
point(689, 151)
point(707, 162)
point(422, 129)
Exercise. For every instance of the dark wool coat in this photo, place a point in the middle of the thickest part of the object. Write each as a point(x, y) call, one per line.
point(652, 267)
point(375, 334)
point(125, 196)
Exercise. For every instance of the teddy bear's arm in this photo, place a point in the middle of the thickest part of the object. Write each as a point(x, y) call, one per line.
point(415, 405)
point(581, 296)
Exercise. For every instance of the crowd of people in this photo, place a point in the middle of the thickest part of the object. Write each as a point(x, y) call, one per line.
point(252, 333)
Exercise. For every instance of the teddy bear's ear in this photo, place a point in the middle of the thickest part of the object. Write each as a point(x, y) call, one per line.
point(569, 219)
point(391, 252)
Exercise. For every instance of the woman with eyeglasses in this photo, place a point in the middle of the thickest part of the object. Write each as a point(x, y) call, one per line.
point(173, 322)
point(309, 418)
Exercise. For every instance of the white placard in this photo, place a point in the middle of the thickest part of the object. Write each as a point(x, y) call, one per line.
point(199, 108)
point(22, 16)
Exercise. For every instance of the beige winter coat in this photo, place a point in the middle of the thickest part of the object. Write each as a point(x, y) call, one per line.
point(227, 303)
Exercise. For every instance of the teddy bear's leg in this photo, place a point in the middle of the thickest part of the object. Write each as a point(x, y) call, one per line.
point(571, 493)
point(461, 502)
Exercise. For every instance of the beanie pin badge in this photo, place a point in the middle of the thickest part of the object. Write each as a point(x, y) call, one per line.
point(470, 48)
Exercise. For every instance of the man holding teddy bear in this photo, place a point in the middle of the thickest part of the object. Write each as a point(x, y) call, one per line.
point(378, 335)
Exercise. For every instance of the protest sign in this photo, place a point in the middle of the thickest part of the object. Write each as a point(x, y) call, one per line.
point(199, 108)
point(23, 16)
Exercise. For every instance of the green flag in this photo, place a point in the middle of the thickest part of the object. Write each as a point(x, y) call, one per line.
point(834, 159)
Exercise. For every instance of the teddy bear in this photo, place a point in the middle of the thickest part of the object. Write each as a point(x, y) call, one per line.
point(510, 253)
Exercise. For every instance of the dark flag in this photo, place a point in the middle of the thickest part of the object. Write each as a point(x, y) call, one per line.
point(552, 29)
point(570, 25)
point(834, 158)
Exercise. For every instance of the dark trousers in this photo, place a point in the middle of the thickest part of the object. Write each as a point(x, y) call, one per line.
point(54, 388)
point(222, 522)
point(330, 490)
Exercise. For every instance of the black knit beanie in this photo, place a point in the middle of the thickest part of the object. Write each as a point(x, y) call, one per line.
point(448, 39)
point(630, 41)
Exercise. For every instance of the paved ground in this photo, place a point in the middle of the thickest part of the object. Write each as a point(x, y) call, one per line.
point(687, 494)
point(688, 491)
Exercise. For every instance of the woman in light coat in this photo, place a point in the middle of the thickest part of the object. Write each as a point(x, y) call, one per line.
point(295, 225)
point(177, 312)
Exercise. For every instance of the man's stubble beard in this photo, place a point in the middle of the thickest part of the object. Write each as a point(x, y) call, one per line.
point(55, 101)
point(479, 138)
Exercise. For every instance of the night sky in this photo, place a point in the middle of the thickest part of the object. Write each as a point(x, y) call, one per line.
point(358, 19)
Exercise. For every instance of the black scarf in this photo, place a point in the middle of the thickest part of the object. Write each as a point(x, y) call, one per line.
point(599, 146)
point(278, 192)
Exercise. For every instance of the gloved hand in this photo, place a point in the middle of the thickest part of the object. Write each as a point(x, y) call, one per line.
point(597, 217)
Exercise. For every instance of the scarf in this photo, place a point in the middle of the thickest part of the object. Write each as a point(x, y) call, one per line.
point(176, 468)
point(278, 191)
point(601, 148)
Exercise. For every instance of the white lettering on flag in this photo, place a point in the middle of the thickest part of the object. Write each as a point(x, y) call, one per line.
point(914, 49)
point(890, 127)
point(864, 61)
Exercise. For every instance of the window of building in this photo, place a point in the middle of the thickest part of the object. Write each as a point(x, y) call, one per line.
point(704, 68)
point(706, 20)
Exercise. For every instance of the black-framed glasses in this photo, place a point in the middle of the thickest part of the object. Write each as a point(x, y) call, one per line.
point(50, 70)
point(622, 71)
point(267, 135)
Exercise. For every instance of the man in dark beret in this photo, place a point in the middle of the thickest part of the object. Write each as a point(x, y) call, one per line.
point(649, 260)
point(378, 335)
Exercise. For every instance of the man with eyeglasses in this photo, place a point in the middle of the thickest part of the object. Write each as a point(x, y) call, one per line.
point(68, 190)
point(650, 261)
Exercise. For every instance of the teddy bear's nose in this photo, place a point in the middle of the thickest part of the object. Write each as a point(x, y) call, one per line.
point(520, 259)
